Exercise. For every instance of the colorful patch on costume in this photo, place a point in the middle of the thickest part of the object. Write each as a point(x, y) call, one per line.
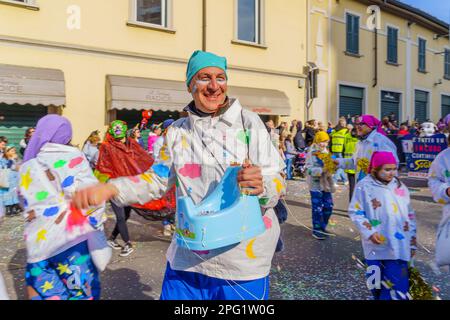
point(367, 225)
point(50, 212)
point(249, 249)
point(394, 207)
point(161, 170)
point(400, 192)
point(360, 213)
point(59, 164)
point(147, 178)
point(375, 204)
point(36, 271)
point(93, 221)
point(375, 223)
point(41, 235)
point(25, 179)
point(81, 259)
point(184, 143)
point(406, 226)
point(278, 185)
point(75, 162)
point(134, 179)
point(186, 233)
point(75, 218)
point(244, 136)
point(63, 268)
point(267, 222)
point(42, 195)
point(47, 286)
point(399, 236)
point(263, 201)
point(191, 170)
point(442, 201)
point(68, 182)
point(447, 173)
point(162, 153)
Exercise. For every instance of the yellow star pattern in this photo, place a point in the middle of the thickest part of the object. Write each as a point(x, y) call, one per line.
point(63, 268)
point(41, 235)
point(26, 180)
point(395, 207)
point(47, 286)
point(442, 201)
point(357, 206)
point(184, 143)
point(162, 153)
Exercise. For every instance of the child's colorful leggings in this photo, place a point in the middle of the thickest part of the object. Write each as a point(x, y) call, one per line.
point(70, 275)
point(322, 209)
point(393, 276)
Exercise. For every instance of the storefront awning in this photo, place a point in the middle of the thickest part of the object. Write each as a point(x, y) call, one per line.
point(133, 93)
point(262, 101)
point(35, 86)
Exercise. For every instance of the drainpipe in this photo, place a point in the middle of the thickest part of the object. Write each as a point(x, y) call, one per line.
point(375, 79)
point(204, 25)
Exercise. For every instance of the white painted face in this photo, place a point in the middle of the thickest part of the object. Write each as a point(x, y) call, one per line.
point(323, 145)
point(428, 129)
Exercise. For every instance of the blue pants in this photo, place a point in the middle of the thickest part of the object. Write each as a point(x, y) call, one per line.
point(340, 173)
point(183, 285)
point(395, 274)
point(322, 209)
point(70, 275)
point(288, 163)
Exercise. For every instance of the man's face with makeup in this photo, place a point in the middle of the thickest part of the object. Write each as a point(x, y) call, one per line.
point(208, 88)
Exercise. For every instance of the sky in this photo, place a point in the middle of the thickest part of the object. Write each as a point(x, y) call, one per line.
point(438, 8)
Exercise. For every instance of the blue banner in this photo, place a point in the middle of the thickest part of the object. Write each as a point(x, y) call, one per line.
point(421, 151)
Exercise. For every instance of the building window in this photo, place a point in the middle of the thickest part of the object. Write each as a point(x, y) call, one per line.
point(422, 55)
point(445, 106)
point(152, 12)
point(392, 53)
point(421, 106)
point(249, 20)
point(447, 64)
point(352, 34)
point(351, 101)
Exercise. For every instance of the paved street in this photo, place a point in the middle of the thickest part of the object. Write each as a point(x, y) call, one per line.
point(306, 269)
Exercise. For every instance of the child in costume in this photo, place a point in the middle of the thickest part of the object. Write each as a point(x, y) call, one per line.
point(381, 210)
point(439, 181)
point(372, 138)
point(320, 182)
point(9, 196)
point(66, 247)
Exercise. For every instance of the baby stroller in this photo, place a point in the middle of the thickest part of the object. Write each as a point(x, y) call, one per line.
point(299, 163)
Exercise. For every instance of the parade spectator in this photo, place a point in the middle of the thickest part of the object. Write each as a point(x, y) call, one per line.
point(310, 132)
point(3, 143)
point(441, 125)
point(155, 133)
point(321, 186)
point(274, 134)
point(224, 273)
point(337, 147)
point(372, 138)
point(160, 141)
point(293, 128)
point(403, 131)
point(387, 126)
point(299, 140)
point(135, 134)
point(350, 143)
point(24, 142)
point(389, 244)
point(66, 247)
point(283, 129)
point(90, 148)
point(9, 197)
point(290, 153)
point(120, 156)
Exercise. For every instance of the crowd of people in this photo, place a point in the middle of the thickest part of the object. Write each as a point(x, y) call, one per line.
point(64, 191)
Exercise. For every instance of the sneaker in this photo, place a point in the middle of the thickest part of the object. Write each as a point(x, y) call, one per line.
point(113, 244)
point(319, 235)
point(167, 231)
point(126, 251)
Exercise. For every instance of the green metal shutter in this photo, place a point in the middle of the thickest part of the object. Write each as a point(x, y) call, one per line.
point(421, 106)
point(445, 108)
point(422, 54)
point(352, 34)
point(390, 102)
point(350, 101)
point(17, 119)
point(392, 45)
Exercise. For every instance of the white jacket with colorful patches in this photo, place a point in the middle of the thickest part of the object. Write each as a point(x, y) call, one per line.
point(386, 210)
point(439, 181)
point(186, 158)
point(47, 184)
point(364, 150)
